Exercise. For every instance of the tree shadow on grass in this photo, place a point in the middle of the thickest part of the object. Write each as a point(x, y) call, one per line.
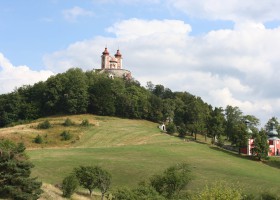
point(273, 163)
point(233, 153)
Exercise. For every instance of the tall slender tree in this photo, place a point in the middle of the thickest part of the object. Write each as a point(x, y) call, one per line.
point(15, 170)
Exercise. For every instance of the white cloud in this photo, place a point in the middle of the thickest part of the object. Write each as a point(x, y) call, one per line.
point(16, 76)
point(237, 67)
point(234, 10)
point(75, 12)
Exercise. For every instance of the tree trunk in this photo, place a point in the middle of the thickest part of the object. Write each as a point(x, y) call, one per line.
point(90, 192)
point(102, 196)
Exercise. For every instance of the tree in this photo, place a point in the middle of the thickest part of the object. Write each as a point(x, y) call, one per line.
point(87, 177)
point(145, 191)
point(261, 146)
point(103, 181)
point(172, 181)
point(93, 177)
point(273, 121)
point(240, 136)
point(123, 193)
point(170, 128)
point(75, 94)
point(216, 123)
point(69, 185)
point(15, 170)
point(102, 97)
point(233, 117)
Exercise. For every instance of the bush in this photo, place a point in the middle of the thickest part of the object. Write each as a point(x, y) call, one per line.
point(66, 135)
point(44, 125)
point(38, 139)
point(85, 122)
point(68, 122)
point(171, 128)
point(69, 185)
point(219, 191)
point(173, 180)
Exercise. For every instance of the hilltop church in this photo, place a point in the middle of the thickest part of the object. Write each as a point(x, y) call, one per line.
point(112, 65)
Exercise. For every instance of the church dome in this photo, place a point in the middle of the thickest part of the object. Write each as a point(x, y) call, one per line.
point(105, 52)
point(118, 54)
point(272, 132)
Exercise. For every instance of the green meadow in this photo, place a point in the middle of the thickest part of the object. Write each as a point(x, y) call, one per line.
point(134, 150)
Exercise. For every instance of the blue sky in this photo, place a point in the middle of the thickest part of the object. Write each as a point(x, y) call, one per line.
point(224, 51)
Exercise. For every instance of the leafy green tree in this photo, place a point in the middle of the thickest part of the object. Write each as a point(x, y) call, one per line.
point(15, 170)
point(75, 93)
point(158, 91)
point(145, 191)
point(261, 146)
point(123, 193)
point(87, 177)
point(216, 123)
point(54, 94)
point(241, 136)
point(171, 128)
point(272, 121)
point(69, 185)
point(233, 118)
point(196, 116)
point(142, 192)
point(253, 124)
point(172, 181)
point(155, 108)
point(182, 130)
point(103, 181)
point(91, 177)
point(102, 97)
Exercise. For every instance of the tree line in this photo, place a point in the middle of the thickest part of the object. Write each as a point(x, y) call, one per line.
point(77, 92)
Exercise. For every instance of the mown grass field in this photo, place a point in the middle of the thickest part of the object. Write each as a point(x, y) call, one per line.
point(133, 150)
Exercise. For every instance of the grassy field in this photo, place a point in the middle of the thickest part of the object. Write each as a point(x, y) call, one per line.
point(133, 150)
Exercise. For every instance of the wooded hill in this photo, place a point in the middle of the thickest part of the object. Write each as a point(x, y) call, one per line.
point(77, 92)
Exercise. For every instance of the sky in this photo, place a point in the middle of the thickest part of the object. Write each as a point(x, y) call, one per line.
point(226, 52)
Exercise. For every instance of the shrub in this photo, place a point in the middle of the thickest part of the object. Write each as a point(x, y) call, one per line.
point(171, 128)
point(69, 185)
point(44, 125)
point(173, 180)
point(38, 139)
point(219, 191)
point(66, 135)
point(85, 122)
point(68, 122)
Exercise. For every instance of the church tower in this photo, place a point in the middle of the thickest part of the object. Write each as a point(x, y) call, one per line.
point(118, 57)
point(105, 59)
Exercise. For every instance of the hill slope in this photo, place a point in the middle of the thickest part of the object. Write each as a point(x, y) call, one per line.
point(133, 150)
